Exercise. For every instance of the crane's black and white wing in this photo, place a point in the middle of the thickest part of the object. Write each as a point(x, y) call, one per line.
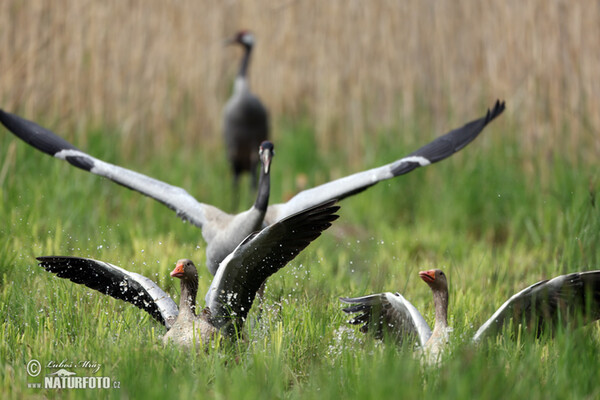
point(388, 312)
point(437, 150)
point(567, 299)
point(48, 142)
point(260, 255)
point(116, 282)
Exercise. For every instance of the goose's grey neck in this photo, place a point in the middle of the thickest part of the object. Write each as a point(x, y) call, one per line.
point(440, 299)
point(189, 289)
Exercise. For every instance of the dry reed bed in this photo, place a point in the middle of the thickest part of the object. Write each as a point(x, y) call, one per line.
point(156, 68)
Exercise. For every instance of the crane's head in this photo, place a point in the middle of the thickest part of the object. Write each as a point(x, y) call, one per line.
point(243, 37)
point(266, 151)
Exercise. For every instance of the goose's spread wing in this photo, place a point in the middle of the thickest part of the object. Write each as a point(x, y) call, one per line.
point(260, 255)
point(388, 312)
point(116, 282)
point(439, 149)
point(44, 140)
point(566, 299)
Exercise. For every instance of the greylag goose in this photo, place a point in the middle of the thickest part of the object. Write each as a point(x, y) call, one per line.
point(231, 292)
point(245, 119)
point(389, 312)
point(543, 305)
point(221, 231)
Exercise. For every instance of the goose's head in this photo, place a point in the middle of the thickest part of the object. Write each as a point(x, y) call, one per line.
point(185, 270)
point(436, 279)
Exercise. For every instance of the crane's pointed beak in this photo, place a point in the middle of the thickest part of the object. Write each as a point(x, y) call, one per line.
point(427, 276)
point(266, 156)
point(267, 161)
point(266, 151)
point(178, 271)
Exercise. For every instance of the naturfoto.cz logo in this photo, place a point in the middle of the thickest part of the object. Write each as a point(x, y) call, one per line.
point(63, 378)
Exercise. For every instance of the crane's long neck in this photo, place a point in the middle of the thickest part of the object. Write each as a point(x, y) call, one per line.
point(440, 299)
point(189, 290)
point(245, 62)
point(264, 188)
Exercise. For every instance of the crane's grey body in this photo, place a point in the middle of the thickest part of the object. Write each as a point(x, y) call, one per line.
point(221, 231)
point(245, 119)
point(225, 231)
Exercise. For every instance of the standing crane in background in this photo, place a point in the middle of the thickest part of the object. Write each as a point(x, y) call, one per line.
point(245, 119)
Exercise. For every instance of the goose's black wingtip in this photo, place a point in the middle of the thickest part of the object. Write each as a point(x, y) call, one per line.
point(48, 263)
point(51, 262)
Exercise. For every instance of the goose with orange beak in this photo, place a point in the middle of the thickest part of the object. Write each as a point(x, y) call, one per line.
point(572, 299)
point(232, 290)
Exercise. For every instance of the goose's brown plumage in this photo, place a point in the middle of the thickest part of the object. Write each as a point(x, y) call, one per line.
point(189, 327)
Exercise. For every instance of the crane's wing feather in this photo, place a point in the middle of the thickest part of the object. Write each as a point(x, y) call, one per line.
point(439, 149)
point(566, 299)
point(48, 142)
point(388, 312)
point(260, 255)
point(116, 282)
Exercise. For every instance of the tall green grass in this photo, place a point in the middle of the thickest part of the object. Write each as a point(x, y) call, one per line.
point(495, 219)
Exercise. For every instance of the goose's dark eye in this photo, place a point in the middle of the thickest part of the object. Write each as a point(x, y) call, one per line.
point(441, 274)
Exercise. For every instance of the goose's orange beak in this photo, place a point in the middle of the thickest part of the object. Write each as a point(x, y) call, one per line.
point(178, 271)
point(427, 276)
